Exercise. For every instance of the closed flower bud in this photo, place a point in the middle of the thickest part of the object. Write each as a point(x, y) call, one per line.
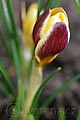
point(50, 34)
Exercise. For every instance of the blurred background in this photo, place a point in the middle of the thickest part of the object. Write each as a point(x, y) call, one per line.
point(69, 60)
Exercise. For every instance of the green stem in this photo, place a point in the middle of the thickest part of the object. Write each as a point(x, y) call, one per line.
point(62, 114)
point(19, 78)
point(35, 82)
point(42, 86)
point(78, 115)
point(5, 19)
point(19, 101)
point(31, 63)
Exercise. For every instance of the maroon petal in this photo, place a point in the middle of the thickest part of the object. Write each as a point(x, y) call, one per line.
point(56, 41)
point(38, 25)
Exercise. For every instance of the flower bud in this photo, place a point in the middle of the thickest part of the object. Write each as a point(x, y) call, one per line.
point(28, 19)
point(50, 35)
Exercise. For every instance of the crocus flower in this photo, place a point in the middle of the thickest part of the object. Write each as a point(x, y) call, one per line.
point(50, 35)
point(28, 19)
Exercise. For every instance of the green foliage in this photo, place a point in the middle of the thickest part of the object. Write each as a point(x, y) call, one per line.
point(4, 43)
point(56, 93)
point(42, 86)
point(78, 116)
point(61, 115)
point(4, 90)
point(5, 17)
point(77, 4)
point(48, 4)
point(39, 7)
point(6, 77)
point(52, 4)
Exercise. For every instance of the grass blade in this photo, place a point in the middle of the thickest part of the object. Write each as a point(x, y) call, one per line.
point(12, 20)
point(78, 116)
point(56, 93)
point(48, 4)
point(16, 60)
point(19, 103)
point(39, 7)
point(6, 77)
point(61, 115)
point(4, 44)
point(77, 4)
point(5, 18)
point(37, 95)
point(52, 4)
point(15, 40)
point(15, 34)
point(3, 41)
point(4, 90)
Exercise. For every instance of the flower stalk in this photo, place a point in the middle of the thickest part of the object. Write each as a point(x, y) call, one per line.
point(51, 29)
point(34, 72)
point(34, 83)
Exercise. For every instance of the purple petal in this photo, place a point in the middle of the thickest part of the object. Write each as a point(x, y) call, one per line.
point(38, 25)
point(56, 41)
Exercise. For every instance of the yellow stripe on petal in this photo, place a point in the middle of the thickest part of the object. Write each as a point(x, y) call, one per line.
point(55, 15)
point(59, 10)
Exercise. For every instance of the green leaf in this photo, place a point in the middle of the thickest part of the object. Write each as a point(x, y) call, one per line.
point(14, 40)
point(77, 4)
point(3, 41)
point(9, 24)
point(12, 20)
point(19, 103)
point(78, 116)
point(7, 27)
point(39, 7)
point(5, 18)
point(56, 93)
point(16, 60)
point(4, 44)
point(6, 77)
point(48, 4)
point(37, 95)
point(4, 90)
point(61, 115)
point(15, 35)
